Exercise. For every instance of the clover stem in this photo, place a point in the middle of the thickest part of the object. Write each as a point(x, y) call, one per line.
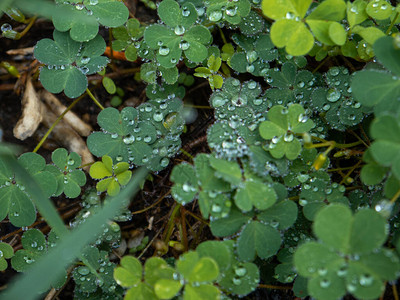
point(222, 35)
point(350, 145)
point(94, 99)
point(394, 288)
point(110, 38)
point(321, 64)
point(56, 122)
point(392, 24)
point(394, 198)
point(274, 287)
point(170, 225)
point(182, 230)
point(198, 106)
point(187, 154)
point(23, 32)
point(350, 171)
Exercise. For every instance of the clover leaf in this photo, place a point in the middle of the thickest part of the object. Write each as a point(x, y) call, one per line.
point(385, 148)
point(281, 128)
point(68, 177)
point(6, 251)
point(99, 276)
point(113, 176)
point(258, 51)
point(289, 85)
point(290, 31)
point(225, 10)
point(68, 62)
point(349, 257)
point(240, 278)
point(210, 73)
point(14, 199)
point(336, 102)
point(179, 35)
point(35, 247)
point(82, 19)
point(126, 38)
point(148, 135)
point(378, 88)
point(238, 110)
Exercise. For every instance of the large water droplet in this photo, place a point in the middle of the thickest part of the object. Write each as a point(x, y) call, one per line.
point(215, 16)
point(164, 50)
point(179, 30)
point(333, 95)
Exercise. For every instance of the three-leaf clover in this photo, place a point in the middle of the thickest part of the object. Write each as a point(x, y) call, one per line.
point(113, 176)
point(210, 72)
point(69, 178)
point(258, 51)
point(82, 18)
point(14, 199)
point(179, 34)
point(147, 136)
point(281, 127)
point(289, 29)
point(35, 247)
point(336, 101)
point(68, 62)
point(349, 256)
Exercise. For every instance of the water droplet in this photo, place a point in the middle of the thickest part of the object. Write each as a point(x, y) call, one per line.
point(34, 244)
point(164, 162)
point(164, 50)
point(384, 207)
point(215, 16)
point(79, 6)
point(85, 59)
point(147, 139)
point(184, 45)
point(158, 116)
point(250, 68)
point(288, 137)
point(179, 30)
point(93, 2)
point(114, 135)
point(333, 95)
point(6, 27)
point(185, 12)
point(84, 70)
point(237, 281)
point(252, 85)
point(83, 270)
point(216, 208)
point(231, 11)
point(119, 158)
point(129, 139)
point(240, 271)
point(326, 107)
point(324, 283)
point(251, 56)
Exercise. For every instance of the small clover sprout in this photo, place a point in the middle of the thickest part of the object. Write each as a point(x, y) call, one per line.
point(113, 176)
point(281, 128)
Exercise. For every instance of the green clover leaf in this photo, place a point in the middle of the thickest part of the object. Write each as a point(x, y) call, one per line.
point(225, 10)
point(283, 124)
point(6, 251)
point(359, 239)
point(68, 62)
point(83, 19)
point(35, 246)
point(146, 136)
point(336, 102)
point(385, 148)
point(378, 88)
point(258, 51)
point(68, 177)
point(14, 200)
point(113, 176)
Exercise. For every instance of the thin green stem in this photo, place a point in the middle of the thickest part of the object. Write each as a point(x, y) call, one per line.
point(56, 122)
point(94, 99)
point(395, 197)
point(222, 35)
point(186, 153)
point(392, 24)
point(170, 225)
point(31, 22)
point(350, 171)
point(321, 64)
